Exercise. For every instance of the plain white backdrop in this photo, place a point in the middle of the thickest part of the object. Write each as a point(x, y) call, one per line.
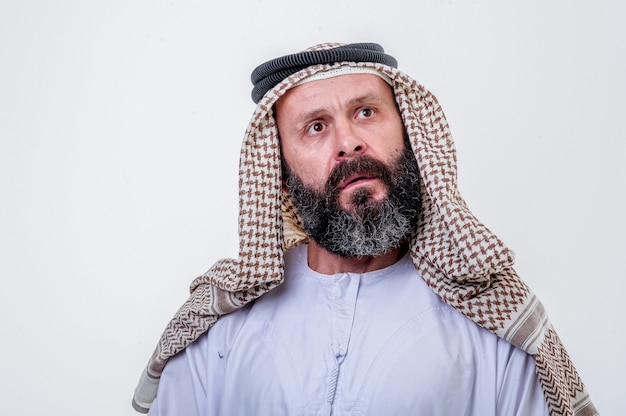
point(120, 128)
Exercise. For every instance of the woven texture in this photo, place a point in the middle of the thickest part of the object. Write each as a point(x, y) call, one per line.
point(267, 75)
point(459, 258)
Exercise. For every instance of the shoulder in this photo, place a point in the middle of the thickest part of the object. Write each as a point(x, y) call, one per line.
point(221, 336)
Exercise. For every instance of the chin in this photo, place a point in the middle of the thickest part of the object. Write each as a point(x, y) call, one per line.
point(362, 197)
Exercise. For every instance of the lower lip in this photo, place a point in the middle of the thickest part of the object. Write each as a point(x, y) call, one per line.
point(358, 183)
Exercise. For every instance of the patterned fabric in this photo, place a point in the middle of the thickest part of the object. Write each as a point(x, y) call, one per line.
point(458, 257)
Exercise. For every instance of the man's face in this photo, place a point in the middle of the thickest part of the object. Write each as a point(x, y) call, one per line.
point(348, 167)
point(327, 122)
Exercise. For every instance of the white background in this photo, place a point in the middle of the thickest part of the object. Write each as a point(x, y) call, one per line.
point(120, 128)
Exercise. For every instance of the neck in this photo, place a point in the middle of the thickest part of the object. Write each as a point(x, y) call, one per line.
point(325, 262)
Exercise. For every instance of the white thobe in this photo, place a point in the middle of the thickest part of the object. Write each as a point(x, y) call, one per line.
point(376, 343)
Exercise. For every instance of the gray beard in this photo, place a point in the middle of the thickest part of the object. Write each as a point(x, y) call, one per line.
point(374, 227)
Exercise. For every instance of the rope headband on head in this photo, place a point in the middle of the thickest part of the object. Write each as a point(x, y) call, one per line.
point(267, 75)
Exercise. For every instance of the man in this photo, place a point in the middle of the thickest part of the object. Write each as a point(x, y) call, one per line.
point(364, 285)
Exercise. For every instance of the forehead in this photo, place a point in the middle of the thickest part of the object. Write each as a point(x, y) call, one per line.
point(339, 89)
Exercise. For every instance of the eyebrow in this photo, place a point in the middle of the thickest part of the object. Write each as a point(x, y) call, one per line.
point(365, 98)
point(319, 112)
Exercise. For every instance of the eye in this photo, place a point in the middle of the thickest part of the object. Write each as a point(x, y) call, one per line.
point(365, 112)
point(316, 128)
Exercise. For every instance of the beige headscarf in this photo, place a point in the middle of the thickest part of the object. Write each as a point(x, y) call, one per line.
point(458, 257)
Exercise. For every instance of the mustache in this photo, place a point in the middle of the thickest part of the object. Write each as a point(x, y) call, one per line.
point(362, 165)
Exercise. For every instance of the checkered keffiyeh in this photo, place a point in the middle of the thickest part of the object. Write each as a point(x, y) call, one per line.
point(458, 257)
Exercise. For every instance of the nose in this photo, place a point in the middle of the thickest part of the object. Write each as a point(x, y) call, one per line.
point(349, 142)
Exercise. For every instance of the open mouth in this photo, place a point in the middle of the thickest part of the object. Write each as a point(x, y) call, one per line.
point(353, 180)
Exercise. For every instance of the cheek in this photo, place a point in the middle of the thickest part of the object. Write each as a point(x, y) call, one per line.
point(309, 165)
point(393, 150)
point(393, 137)
point(308, 169)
